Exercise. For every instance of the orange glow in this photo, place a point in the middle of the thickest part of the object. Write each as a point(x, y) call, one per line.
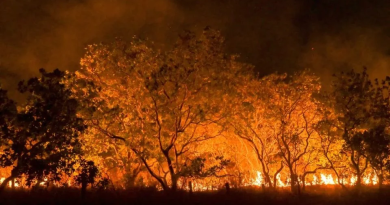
point(327, 179)
point(324, 179)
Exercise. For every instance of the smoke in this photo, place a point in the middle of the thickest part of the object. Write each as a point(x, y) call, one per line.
point(353, 49)
point(350, 35)
point(53, 34)
point(275, 36)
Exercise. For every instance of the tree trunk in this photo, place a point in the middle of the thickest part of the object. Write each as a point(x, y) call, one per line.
point(171, 171)
point(162, 183)
point(190, 186)
point(5, 183)
point(227, 186)
point(304, 182)
point(298, 187)
point(293, 180)
point(174, 183)
point(83, 189)
point(265, 173)
point(276, 174)
point(358, 179)
point(268, 179)
point(380, 181)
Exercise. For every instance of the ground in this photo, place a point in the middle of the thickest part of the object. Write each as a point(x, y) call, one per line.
point(316, 195)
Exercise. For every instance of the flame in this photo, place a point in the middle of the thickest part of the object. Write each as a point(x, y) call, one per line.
point(259, 179)
point(321, 179)
point(16, 184)
point(279, 182)
point(366, 179)
point(353, 180)
point(370, 179)
point(375, 179)
point(196, 186)
point(44, 182)
point(327, 179)
point(315, 180)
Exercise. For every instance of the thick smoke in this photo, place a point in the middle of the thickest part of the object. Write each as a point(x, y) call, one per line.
point(275, 36)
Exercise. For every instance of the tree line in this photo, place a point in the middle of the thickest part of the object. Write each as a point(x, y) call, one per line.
point(133, 115)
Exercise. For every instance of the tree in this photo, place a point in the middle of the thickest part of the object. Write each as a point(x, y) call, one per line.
point(377, 137)
point(293, 115)
point(377, 142)
point(87, 175)
point(113, 157)
point(8, 114)
point(165, 103)
point(43, 140)
point(352, 94)
point(331, 141)
point(251, 124)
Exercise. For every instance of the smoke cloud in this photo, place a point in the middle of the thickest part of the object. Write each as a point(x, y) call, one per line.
point(276, 36)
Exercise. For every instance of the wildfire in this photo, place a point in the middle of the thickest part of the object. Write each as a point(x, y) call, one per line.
point(353, 180)
point(258, 181)
point(279, 182)
point(323, 179)
point(196, 186)
point(327, 179)
point(16, 184)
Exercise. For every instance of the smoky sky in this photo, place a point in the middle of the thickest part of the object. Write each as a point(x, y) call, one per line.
point(275, 36)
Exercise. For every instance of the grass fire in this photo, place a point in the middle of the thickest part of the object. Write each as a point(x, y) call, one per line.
point(187, 122)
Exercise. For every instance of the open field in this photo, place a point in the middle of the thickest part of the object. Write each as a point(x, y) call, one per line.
point(320, 195)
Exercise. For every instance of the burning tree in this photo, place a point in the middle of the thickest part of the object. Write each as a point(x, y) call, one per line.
point(277, 119)
point(163, 105)
point(331, 141)
point(293, 115)
point(250, 123)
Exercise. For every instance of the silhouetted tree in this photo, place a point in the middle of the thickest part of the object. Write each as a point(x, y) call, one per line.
point(87, 174)
point(44, 141)
point(7, 117)
point(362, 110)
point(377, 136)
point(8, 114)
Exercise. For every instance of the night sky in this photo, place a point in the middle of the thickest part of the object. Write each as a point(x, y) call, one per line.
point(275, 36)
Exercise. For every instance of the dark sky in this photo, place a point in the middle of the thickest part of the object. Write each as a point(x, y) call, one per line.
point(276, 36)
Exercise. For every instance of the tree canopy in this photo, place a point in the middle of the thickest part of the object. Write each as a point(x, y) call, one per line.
point(193, 117)
point(40, 140)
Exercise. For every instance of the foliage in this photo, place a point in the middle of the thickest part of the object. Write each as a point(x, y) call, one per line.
point(161, 104)
point(43, 139)
point(362, 110)
point(87, 173)
point(136, 116)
